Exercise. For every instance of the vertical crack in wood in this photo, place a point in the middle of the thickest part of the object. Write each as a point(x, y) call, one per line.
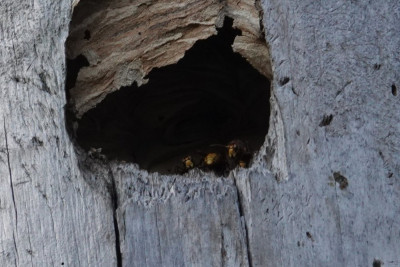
point(16, 250)
point(242, 216)
point(223, 251)
point(12, 188)
point(9, 171)
point(114, 201)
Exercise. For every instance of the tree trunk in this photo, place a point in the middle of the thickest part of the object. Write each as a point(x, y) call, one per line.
point(324, 190)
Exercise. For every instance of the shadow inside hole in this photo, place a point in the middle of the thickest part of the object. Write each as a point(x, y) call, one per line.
point(73, 68)
point(194, 107)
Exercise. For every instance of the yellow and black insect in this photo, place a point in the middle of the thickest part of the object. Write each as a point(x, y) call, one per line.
point(218, 158)
point(238, 154)
point(187, 162)
point(212, 159)
point(216, 162)
point(237, 148)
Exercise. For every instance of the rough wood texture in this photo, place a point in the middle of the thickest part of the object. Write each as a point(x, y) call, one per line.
point(49, 215)
point(338, 58)
point(124, 40)
point(175, 221)
point(341, 58)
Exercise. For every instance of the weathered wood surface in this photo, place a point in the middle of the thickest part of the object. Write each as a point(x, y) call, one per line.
point(341, 58)
point(171, 221)
point(49, 215)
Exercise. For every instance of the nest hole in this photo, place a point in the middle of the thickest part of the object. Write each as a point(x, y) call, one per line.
point(194, 108)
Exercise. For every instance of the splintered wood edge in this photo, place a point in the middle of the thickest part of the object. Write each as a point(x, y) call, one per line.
point(123, 42)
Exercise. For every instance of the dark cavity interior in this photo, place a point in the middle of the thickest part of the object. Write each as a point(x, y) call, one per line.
point(194, 107)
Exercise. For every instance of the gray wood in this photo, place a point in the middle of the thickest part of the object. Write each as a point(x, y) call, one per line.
point(49, 214)
point(342, 58)
point(175, 221)
point(291, 208)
